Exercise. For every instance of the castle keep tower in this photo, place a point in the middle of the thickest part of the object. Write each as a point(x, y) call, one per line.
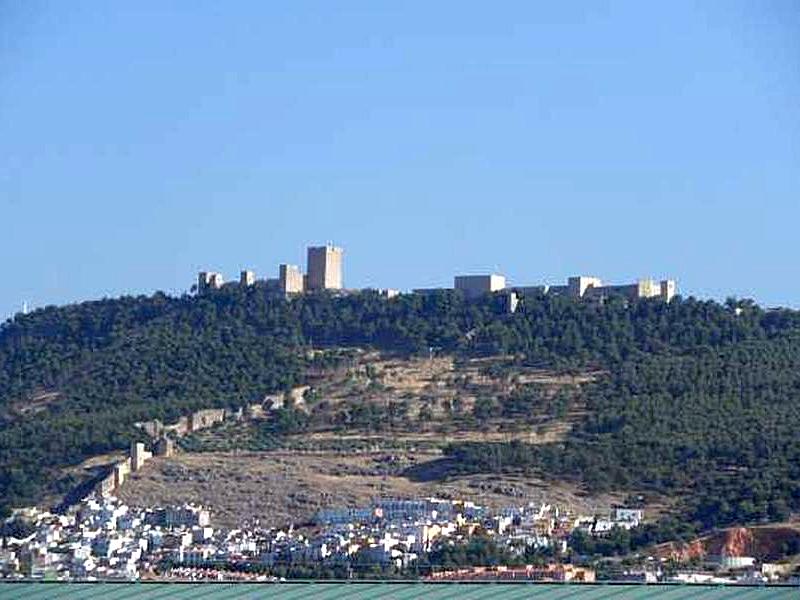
point(209, 280)
point(247, 278)
point(290, 279)
point(324, 270)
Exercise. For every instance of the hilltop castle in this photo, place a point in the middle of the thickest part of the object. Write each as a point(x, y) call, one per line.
point(324, 273)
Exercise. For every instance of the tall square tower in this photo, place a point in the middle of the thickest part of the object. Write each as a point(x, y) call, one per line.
point(669, 288)
point(290, 279)
point(324, 270)
point(247, 278)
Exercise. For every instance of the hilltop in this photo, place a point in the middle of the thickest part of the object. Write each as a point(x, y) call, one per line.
point(697, 401)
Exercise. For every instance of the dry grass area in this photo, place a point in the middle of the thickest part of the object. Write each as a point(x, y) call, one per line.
point(31, 405)
point(418, 381)
point(279, 488)
point(552, 432)
point(545, 377)
point(413, 403)
point(426, 402)
point(445, 390)
point(353, 462)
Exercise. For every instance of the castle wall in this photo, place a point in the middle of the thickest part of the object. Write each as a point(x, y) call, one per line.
point(203, 419)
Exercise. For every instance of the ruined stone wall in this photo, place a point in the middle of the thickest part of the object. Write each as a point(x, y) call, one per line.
point(205, 418)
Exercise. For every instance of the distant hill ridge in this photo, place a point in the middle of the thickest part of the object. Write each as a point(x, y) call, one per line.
point(720, 381)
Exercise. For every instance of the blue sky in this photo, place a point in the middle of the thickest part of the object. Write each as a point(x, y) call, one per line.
point(143, 141)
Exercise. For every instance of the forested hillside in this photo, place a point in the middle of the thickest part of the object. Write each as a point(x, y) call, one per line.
point(717, 426)
point(700, 399)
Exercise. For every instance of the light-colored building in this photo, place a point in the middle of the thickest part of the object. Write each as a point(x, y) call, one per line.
point(324, 269)
point(578, 285)
point(669, 287)
point(387, 293)
point(139, 456)
point(290, 279)
point(642, 288)
point(593, 288)
point(247, 278)
point(510, 302)
point(475, 286)
point(631, 515)
point(534, 290)
point(209, 280)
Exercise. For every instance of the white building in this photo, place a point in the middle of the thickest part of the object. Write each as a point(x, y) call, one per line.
point(475, 286)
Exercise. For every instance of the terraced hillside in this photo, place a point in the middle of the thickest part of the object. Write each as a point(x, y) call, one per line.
point(374, 426)
point(372, 402)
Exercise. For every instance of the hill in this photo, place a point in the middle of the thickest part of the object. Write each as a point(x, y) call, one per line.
point(696, 400)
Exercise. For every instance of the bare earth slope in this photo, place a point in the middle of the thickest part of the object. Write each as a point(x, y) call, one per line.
point(341, 461)
point(279, 488)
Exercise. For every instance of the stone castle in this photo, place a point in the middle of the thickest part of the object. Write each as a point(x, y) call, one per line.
point(324, 273)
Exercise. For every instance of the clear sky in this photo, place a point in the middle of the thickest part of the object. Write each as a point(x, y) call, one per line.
point(143, 141)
